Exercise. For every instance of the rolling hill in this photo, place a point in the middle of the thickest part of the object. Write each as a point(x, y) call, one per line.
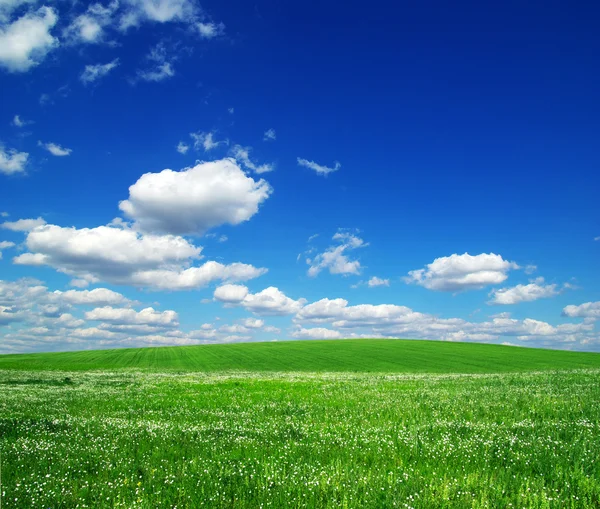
point(353, 355)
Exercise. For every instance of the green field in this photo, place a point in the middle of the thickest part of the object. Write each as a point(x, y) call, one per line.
point(302, 424)
point(360, 355)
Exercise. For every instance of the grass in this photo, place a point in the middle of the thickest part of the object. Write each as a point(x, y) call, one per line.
point(167, 435)
point(371, 355)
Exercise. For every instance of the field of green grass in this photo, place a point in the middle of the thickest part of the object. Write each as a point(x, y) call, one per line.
point(359, 355)
point(292, 425)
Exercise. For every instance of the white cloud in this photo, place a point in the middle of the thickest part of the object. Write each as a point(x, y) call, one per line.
point(107, 252)
point(128, 316)
point(335, 258)
point(206, 141)
point(222, 238)
point(589, 310)
point(19, 122)
point(195, 199)
point(231, 110)
point(596, 238)
point(56, 150)
point(195, 277)
point(161, 67)
point(375, 281)
point(23, 225)
point(321, 170)
point(242, 154)
point(210, 30)
point(182, 147)
point(231, 294)
point(12, 161)
point(7, 8)
point(93, 73)
point(253, 323)
point(158, 73)
point(89, 27)
point(96, 297)
point(159, 11)
point(24, 43)
point(389, 320)
point(4, 214)
point(523, 293)
point(270, 301)
point(316, 333)
point(270, 135)
point(462, 272)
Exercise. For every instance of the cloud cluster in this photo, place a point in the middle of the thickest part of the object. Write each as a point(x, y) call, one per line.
point(269, 302)
point(196, 199)
point(12, 161)
point(524, 293)
point(26, 41)
point(462, 272)
point(335, 258)
point(126, 257)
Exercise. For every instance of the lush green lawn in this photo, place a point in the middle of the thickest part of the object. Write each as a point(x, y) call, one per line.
point(295, 430)
point(371, 355)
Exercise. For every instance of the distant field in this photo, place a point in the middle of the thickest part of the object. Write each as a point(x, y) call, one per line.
point(364, 355)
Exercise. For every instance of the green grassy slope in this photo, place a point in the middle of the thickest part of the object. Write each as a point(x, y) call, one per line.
point(364, 355)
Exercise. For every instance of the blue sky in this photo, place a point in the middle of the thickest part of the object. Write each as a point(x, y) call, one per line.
point(181, 173)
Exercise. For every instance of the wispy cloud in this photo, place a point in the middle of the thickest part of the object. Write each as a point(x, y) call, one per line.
point(93, 73)
point(55, 149)
point(320, 169)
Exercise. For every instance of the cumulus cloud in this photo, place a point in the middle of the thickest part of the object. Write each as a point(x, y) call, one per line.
point(270, 135)
point(376, 281)
point(12, 161)
point(590, 310)
point(390, 320)
point(24, 43)
point(23, 225)
point(253, 323)
point(242, 155)
point(231, 294)
point(206, 141)
point(524, 293)
point(55, 149)
point(316, 333)
point(462, 272)
point(210, 30)
point(335, 258)
point(195, 277)
point(93, 73)
point(270, 301)
point(158, 11)
point(128, 316)
point(182, 147)
point(89, 26)
point(196, 199)
point(320, 169)
point(96, 297)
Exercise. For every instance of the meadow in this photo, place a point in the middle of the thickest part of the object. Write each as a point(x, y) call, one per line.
point(139, 436)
